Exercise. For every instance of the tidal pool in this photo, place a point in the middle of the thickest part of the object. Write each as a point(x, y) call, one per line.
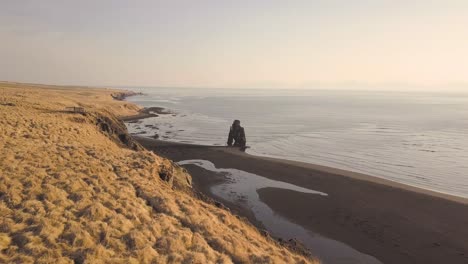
point(241, 187)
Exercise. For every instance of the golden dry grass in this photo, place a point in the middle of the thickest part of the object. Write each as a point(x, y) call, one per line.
point(70, 194)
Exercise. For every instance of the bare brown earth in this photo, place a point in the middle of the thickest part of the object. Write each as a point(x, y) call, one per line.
point(393, 222)
point(75, 188)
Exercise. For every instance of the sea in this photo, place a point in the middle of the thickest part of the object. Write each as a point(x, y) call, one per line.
point(414, 138)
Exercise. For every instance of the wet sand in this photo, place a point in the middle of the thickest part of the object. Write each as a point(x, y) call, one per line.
point(392, 222)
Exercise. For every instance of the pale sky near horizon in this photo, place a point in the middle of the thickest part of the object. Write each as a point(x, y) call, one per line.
point(255, 43)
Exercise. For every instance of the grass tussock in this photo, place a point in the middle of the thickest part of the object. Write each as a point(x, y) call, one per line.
point(71, 193)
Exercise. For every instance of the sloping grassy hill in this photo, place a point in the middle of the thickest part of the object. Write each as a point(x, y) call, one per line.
point(74, 188)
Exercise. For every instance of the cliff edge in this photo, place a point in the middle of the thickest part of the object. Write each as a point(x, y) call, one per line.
point(75, 188)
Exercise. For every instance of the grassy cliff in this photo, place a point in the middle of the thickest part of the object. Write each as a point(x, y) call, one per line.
point(75, 188)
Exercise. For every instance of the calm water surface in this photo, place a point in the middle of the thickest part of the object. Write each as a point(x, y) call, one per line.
point(417, 139)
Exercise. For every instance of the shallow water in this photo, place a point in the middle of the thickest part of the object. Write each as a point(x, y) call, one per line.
point(417, 139)
point(241, 188)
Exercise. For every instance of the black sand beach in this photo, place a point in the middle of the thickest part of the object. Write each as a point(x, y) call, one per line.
point(392, 222)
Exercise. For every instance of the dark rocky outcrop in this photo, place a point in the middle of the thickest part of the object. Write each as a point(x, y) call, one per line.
point(116, 130)
point(121, 96)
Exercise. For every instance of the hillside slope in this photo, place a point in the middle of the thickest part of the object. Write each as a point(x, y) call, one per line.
point(74, 188)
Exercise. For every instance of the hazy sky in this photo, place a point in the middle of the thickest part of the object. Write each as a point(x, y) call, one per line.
point(221, 43)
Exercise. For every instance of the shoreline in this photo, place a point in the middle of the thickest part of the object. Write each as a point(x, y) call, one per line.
point(321, 168)
point(394, 222)
point(366, 177)
point(144, 113)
